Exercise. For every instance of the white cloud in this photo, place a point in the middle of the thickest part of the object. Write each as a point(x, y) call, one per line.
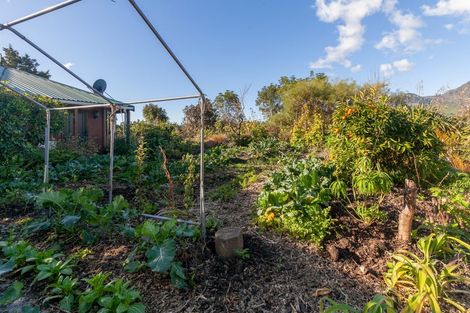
point(69, 65)
point(388, 69)
point(356, 68)
point(351, 30)
point(403, 65)
point(449, 26)
point(448, 7)
point(407, 35)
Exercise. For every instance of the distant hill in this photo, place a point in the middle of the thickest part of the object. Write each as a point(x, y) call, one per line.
point(450, 101)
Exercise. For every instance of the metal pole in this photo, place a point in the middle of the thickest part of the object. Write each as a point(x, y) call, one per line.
point(17, 33)
point(39, 13)
point(161, 99)
point(46, 148)
point(160, 217)
point(81, 107)
point(111, 151)
point(201, 174)
point(165, 45)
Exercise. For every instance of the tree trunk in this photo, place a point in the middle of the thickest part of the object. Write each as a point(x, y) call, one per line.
point(405, 220)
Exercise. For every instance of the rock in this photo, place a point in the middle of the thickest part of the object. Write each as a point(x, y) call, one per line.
point(333, 252)
point(343, 243)
point(227, 240)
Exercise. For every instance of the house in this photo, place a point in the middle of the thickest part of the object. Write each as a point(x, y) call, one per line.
point(90, 123)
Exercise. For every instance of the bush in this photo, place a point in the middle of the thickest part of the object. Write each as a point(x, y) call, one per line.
point(401, 141)
point(295, 201)
point(23, 125)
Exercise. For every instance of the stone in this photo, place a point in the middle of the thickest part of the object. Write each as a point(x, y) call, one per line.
point(333, 252)
point(227, 240)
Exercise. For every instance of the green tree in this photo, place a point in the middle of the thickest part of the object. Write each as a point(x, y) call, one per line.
point(269, 100)
point(192, 118)
point(155, 114)
point(229, 108)
point(11, 58)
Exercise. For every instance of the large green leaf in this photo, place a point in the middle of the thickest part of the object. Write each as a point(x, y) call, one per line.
point(70, 220)
point(159, 257)
point(7, 267)
point(11, 293)
point(178, 278)
point(136, 308)
point(66, 304)
point(54, 197)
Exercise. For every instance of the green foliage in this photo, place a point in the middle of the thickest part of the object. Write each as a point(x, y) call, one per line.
point(115, 296)
point(12, 293)
point(158, 244)
point(308, 130)
point(11, 58)
point(378, 304)
point(402, 140)
point(426, 280)
point(80, 210)
point(295, 201)
point(369, 214)
point(155, 114)
point(455, 202)
point(230, 115)
point(189, 179)
point(224, 192)
point(243, 254)
point(23, 126)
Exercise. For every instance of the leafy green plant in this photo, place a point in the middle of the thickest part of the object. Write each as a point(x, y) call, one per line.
point(425, 280)
point(369, 214)
point(65, 289)
point(80, 210)
point(96, 290)
point(12, 293)
point(243, 254)
point(295, 199)
point(53, 268)
point(158, 245)
point(378, 304)
point(401, 140)
point(120, 297)
point(225, 192)
point(368, 185)
point(189, 180)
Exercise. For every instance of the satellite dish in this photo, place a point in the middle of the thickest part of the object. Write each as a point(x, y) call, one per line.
point(100, 85)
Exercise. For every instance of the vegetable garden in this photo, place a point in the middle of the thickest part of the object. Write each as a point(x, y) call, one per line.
point(318, 189)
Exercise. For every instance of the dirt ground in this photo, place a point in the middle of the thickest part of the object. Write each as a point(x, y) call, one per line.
point(282, 275)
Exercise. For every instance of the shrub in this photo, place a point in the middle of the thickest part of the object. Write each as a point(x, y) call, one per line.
point(402, 141)
point(294, 200)
point(426, 280)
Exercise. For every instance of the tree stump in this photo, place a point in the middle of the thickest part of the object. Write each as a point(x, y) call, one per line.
point(227, 240)
point(405, 220)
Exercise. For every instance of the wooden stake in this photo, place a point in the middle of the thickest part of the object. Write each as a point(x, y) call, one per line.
point(405, 221)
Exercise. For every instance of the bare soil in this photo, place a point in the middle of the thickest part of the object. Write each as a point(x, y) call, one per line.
point(281, 275)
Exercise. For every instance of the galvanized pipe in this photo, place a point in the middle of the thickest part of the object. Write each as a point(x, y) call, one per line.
point(164, 218)
point(81, 107)
point(39, 13)
point(165, 45)
point(111, 151)
point(161, 99)
point(201, 174)
point(46, 148)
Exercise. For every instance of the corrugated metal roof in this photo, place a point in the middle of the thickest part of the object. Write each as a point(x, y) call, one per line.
point(35, 85)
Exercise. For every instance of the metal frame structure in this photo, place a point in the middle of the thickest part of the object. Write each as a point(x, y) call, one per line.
point(115, 106)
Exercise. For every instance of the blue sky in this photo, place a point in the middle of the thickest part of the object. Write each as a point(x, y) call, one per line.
point(418, 46)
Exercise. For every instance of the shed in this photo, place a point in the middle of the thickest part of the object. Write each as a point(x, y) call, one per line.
point(85, 121)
